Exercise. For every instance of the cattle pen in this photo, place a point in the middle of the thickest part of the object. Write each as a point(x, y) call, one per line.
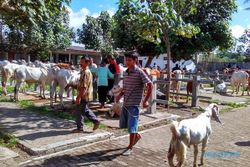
point(196, 80)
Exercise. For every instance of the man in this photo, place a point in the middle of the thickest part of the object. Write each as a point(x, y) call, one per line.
point(177, 67)
point(133, 84)
point(93, 68)
point(115, 70)
point(85, 95)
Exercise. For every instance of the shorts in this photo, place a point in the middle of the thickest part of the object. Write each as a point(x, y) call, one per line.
point(129, 118)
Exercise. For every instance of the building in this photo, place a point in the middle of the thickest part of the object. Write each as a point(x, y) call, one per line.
point(73, 54)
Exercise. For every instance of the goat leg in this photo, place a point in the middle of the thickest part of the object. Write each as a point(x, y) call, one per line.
point(203, 149)
point(195, 155)
point(170, 156)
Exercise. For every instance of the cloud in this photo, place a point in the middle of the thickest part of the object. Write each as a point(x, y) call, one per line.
point(237, 30)
point(111, 12)
point(248, 26)
point(77, 18)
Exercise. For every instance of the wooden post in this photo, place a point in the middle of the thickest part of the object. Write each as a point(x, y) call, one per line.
point(69, 57)
point(194, 91)
point(152, 107)
point(51, 59)
point(57, 58)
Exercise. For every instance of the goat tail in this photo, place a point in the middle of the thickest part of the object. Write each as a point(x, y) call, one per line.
point(173, 129)
point(177, 146)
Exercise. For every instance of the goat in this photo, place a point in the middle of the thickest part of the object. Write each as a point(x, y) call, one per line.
point(117, 106)
point(191, 132)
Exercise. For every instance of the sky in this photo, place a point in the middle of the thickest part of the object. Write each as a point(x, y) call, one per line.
point(79, 9)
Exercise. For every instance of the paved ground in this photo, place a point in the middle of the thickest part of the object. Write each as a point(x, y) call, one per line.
point(40, 134)
point(233, 136)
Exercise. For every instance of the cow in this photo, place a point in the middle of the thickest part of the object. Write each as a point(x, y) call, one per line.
point(175, 84)
point(42, 76)
point(239, 78)
point(64, 79)
point(7, 72)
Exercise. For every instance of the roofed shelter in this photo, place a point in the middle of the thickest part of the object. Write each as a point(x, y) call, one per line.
point(73, 54)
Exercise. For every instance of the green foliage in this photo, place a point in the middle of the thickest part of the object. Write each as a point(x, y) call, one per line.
point(7, 140)
point(96, 33)
point(35, 26)
point(125, 34)
point(212, 18)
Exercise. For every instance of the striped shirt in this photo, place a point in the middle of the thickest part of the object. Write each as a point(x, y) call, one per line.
point(86, 83)
point(133, 85)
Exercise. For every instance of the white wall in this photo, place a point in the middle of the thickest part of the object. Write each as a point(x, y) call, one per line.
point(161, 62)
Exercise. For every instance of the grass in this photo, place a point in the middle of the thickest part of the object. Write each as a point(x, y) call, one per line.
point(5, 99)
point(7, 140)
point(10, 89)
point(47, 111)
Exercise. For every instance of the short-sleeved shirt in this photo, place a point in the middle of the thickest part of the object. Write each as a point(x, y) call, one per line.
point(133, 85)
point(86, 83)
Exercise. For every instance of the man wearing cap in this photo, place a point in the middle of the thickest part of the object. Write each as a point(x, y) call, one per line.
point(85, 94)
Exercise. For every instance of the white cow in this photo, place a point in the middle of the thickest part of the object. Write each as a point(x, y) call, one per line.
point(239, 78)
point(7, 72)
point(30, 75)
point(64, 79)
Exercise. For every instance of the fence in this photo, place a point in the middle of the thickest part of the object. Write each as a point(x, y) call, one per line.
point(195, 86)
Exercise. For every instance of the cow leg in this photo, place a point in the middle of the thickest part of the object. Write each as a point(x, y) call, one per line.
point(4, 88)
point(52, 92)
point(43, 89)
point(16, 90)
point(233, 88)
point(61, 96)
point(4, 81)
point(244, 87)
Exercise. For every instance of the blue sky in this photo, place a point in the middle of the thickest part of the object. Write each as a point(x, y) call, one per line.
point(80, 8)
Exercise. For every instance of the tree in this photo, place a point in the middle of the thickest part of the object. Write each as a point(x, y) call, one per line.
point(156, 20)
point(36, 26)
point(96, 33)
point(212, 18)
point(125, 36)
point(245, 42)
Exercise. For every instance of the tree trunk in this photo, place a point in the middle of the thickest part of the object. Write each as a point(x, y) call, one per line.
point(150, 59)
point(168, 46)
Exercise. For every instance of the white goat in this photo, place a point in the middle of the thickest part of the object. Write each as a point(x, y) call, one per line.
point(191, 132)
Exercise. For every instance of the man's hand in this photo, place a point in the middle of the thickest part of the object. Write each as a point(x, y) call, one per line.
point(145, 104)
point(78, 100)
